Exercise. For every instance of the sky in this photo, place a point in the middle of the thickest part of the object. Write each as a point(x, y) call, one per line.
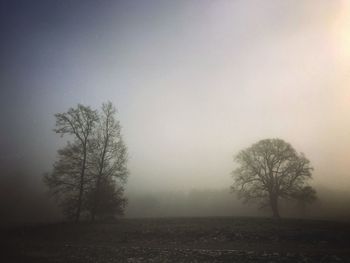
point(194, 82)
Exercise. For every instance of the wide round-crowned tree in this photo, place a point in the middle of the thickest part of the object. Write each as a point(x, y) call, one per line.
point(270, 170)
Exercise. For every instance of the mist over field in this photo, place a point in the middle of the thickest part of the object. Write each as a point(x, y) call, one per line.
point(24, 199)
point(194, 83)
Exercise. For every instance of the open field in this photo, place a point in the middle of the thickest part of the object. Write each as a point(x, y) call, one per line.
point(181, 240)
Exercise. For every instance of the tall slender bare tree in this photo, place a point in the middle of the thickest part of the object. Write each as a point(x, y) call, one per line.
point(90, 172)
point(109, 154)
point(71, 167)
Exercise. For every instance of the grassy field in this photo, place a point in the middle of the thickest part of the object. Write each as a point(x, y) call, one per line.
point(180, 240)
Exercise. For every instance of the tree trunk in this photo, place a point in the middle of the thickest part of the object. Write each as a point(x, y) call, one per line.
point(96, 198)
point(81, 188)
point(98, 183)
point(274, 206)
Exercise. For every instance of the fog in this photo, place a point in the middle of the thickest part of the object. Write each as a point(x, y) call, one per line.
point(194, 82)
point(24, 199)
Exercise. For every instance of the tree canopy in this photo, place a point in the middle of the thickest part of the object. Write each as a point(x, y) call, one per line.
point(270, 170)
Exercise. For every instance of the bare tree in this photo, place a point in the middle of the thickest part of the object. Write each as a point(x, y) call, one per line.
point(70, 170)
point(109, 154)
point(90, 172)
point(269, 170)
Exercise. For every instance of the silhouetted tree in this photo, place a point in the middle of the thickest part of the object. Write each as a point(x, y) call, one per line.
point(109, 172)
point(68, 177)
point(269, 170)
point(90, 173)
